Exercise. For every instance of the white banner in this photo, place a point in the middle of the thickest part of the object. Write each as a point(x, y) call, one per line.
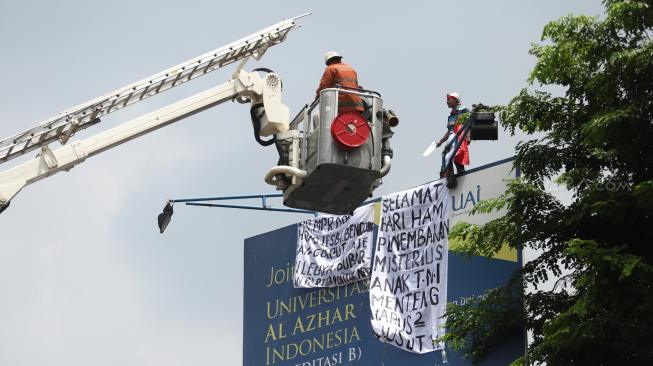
point(334, 250)
point(408, 289)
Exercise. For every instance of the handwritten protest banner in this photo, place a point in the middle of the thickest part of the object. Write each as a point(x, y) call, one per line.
point(334, 250)
point(408, 288)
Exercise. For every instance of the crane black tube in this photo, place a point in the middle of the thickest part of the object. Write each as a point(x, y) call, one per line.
point(256, 123)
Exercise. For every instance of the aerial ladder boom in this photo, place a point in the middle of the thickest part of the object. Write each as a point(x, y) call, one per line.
point(65, 124)
point(243, 86)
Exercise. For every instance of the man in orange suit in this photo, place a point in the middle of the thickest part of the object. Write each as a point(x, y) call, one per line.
point(341, 74)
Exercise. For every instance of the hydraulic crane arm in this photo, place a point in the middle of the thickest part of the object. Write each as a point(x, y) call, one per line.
point(61, 127)
point(244, 87)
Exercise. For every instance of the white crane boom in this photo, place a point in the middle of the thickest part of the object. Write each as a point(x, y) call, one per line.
point(65, 124)
point(242, 84)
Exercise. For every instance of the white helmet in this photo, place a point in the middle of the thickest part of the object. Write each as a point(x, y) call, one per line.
point(331, 55)
point(454, 95)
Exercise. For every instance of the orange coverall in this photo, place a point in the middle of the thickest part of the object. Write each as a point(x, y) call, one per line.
point(344, 75)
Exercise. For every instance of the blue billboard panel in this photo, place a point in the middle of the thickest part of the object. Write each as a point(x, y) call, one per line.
point(331, 326)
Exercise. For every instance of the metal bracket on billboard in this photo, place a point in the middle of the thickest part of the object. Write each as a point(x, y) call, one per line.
point(165, 216)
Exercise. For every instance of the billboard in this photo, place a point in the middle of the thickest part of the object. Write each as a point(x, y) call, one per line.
point(331, 326)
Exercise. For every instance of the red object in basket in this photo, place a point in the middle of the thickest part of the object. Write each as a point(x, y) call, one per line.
point(350, 130)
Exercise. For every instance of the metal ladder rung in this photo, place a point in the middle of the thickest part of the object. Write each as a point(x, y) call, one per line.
point(190, 75)
point(5, 154)
point(179, 75)
point(144, 92)
point(126, 98)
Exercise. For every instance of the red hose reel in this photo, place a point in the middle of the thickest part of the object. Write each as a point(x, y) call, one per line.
point(350, 130)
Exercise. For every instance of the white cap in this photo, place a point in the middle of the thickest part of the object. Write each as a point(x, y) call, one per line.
point(330, 55)
point(454, 95)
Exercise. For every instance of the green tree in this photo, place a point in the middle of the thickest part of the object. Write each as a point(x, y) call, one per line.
point(597, 140)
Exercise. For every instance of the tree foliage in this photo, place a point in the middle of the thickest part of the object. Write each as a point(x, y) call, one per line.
point(597, 139)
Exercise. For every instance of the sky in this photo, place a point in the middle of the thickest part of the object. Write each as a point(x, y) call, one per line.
point(85, 276)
